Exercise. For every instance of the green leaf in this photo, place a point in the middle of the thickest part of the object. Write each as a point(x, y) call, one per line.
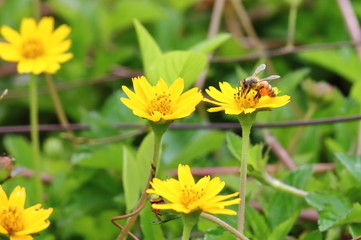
point(185, 64)
point(144, 158)
point(209, 45)
point(19, 148)
point(108, 157)
point(355, 91)
point(332, 207)
point(128, 10)
point(150, 231)
point(258, 223)
point(278, 211)
point(281, 230)
point(234, 144)
point(315, 235)
point(355, 229)
point(200, 145)
point(149, 49)
point(344, 62)
point(352, 164)
point(131, 182)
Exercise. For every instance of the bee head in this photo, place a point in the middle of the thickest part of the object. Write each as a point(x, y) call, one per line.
point(249, 82)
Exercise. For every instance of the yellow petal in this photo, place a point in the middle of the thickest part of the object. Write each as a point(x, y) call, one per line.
point(28, 28)
point(17, 198)
point(11, 35)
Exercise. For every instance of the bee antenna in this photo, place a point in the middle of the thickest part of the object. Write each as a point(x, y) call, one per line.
point(259, 69)
point(269, 78)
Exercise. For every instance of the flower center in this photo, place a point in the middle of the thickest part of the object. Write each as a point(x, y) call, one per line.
point(191, 195)
point(32, 48)
point(11, 219)
point(161, 103)
point(247, 98)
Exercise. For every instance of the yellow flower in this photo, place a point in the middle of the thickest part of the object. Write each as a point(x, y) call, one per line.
point(36, 48)
point(185, 196)
point(234, 101)
point(160, 102)
point(19, 223)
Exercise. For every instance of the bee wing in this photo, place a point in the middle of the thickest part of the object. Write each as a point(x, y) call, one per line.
point(259, 69)
point(269, 78)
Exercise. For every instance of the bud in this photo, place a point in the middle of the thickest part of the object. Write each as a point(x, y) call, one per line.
point(320, 93)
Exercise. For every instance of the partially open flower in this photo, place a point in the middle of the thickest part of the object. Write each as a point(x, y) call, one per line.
point(161, 102)
point(185, 196)
point(19, 223)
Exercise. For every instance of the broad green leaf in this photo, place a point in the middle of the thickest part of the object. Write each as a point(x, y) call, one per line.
point(281, 230)
point(258, 223)
point(149, 50)
point(144, 158)
point(209, 45)
point(201, 145)
point(234, 144)
point(355, 91)
point(354, 216)
point(131, 182)
point(352, 164)
point(344, 62)
point(185, 64)
point(127, 10)
point(19, 148)
point(182, 5)
point(355, 229)
point(332, 208)
point(315, 235)
point(150, 231)
point(108, 157)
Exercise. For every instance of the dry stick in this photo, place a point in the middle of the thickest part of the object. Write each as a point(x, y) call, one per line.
point(285, 51)
point(248, 27)
point(179, 126)
point(212, 31)
point(354, 30)
point(279, 150)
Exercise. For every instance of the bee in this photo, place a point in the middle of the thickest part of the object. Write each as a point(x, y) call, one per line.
point(261, 86)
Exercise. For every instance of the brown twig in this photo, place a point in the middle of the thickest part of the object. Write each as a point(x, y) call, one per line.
point(354, 30)
point(285, 51)
point(279, 150)
point(212, 31)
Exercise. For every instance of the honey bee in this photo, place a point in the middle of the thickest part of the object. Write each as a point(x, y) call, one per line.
point(261, 86)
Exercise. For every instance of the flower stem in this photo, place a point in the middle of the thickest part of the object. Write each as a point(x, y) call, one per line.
point(159, 130)
point(59, 107)
point(224, 225)
point(189, 221)
point(33, 93)
point(246, 121)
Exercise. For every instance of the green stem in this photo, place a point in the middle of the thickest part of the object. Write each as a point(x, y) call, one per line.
point(276, 184)
point(59, 107)
point(224, 225)
point(189, 221)
point(292, 24)
point(159, 130)
point(246, 121)
point(34, 129)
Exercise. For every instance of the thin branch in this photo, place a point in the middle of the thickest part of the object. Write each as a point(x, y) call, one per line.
point(279, 150)
point(212, 31)
point(178, 126)
point(285, 51)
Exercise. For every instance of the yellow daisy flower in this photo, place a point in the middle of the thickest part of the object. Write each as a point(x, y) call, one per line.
point(19, 223)
point(234, 101)
point(160, 102)
point(185, 196)
point(36, 48)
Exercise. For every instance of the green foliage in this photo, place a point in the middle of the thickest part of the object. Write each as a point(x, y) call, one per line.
point(102, 172)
